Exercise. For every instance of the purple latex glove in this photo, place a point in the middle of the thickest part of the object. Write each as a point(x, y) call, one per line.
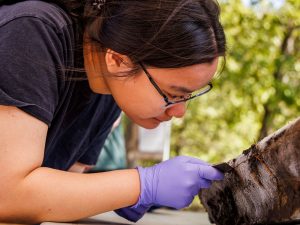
point(173, 183)
point(133, 213)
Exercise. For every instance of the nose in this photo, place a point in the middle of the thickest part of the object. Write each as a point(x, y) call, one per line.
point(176, 110)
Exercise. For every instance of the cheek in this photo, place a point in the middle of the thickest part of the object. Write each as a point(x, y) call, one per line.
point(136, 100)
point(140, 107)
point(140, 113)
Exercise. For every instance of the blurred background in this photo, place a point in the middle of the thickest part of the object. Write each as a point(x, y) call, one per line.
point(259, 88)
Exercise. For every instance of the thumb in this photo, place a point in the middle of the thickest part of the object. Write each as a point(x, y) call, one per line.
point(210, 173)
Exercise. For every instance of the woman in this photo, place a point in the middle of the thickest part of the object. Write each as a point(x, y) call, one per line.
point(146, 58)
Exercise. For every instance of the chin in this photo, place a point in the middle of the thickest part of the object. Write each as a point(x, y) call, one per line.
point(151, 126)
point(149, 123)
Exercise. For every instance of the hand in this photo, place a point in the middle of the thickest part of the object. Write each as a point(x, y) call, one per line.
point(175, 182)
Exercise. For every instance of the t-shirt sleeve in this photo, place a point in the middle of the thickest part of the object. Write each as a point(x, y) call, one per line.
point(31, 61)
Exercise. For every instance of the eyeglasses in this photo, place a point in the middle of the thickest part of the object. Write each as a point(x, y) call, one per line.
point(176, 100)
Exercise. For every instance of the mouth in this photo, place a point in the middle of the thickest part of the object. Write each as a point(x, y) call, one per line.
point(157, 120)
point(164, 120)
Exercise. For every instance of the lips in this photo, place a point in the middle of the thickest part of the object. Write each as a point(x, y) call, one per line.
point(163, 120)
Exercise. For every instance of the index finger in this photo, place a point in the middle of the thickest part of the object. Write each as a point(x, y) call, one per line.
point(210, 173)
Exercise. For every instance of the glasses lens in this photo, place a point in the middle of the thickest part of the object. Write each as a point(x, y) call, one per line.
point(191, 95)
point(201, 91)
point(176, 100)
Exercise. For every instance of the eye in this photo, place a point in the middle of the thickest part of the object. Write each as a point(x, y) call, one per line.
point(175, 96)
point(172, 96)
point(179, 97)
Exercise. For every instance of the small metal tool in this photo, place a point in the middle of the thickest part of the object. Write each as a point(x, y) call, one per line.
point(223, 167)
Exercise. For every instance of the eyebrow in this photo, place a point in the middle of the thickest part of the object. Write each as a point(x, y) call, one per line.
point(181, 89)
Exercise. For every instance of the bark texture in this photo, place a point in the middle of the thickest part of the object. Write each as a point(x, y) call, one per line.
point(264, 187)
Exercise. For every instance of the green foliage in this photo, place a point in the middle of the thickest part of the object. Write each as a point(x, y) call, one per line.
point(258, 91)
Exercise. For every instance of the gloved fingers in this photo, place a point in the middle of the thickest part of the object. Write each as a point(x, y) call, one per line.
point(204, 183)
point(210, 173)
point(200, 184)
point(185, 203)
point(192, 176)
point(188, 159)
point(190, 200)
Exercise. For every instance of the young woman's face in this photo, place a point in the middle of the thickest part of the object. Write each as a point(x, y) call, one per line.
point(141, 101)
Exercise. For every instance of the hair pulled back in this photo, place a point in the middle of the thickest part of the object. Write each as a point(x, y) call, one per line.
point(158, 33)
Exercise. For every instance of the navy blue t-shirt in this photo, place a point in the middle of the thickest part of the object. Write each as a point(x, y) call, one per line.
point(36, 53)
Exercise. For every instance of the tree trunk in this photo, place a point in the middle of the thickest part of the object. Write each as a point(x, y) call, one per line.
point(263, 187)
point(268, 112)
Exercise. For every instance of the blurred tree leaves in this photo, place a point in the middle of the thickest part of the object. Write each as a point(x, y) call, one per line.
point(257, 93)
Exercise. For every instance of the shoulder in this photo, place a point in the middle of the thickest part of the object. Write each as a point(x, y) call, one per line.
point(48, 13)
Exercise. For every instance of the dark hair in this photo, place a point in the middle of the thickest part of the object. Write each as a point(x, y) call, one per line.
point(158, 33)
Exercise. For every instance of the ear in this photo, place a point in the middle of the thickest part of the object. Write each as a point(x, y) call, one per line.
point(116, 62)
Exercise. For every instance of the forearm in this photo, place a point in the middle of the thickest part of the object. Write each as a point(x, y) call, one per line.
point(52, 195)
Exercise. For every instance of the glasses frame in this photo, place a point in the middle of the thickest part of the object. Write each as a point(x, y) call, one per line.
point(166, 99)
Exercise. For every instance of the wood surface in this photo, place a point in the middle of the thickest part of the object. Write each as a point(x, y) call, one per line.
point(264, 187)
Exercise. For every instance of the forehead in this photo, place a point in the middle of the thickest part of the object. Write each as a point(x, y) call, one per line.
point(187, 78)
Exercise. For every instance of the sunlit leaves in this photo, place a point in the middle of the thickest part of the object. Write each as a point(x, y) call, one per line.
point(261, 72)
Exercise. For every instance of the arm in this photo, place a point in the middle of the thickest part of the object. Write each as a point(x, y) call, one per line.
point(30, 193)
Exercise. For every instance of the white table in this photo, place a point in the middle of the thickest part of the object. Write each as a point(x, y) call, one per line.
point(158, 217)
